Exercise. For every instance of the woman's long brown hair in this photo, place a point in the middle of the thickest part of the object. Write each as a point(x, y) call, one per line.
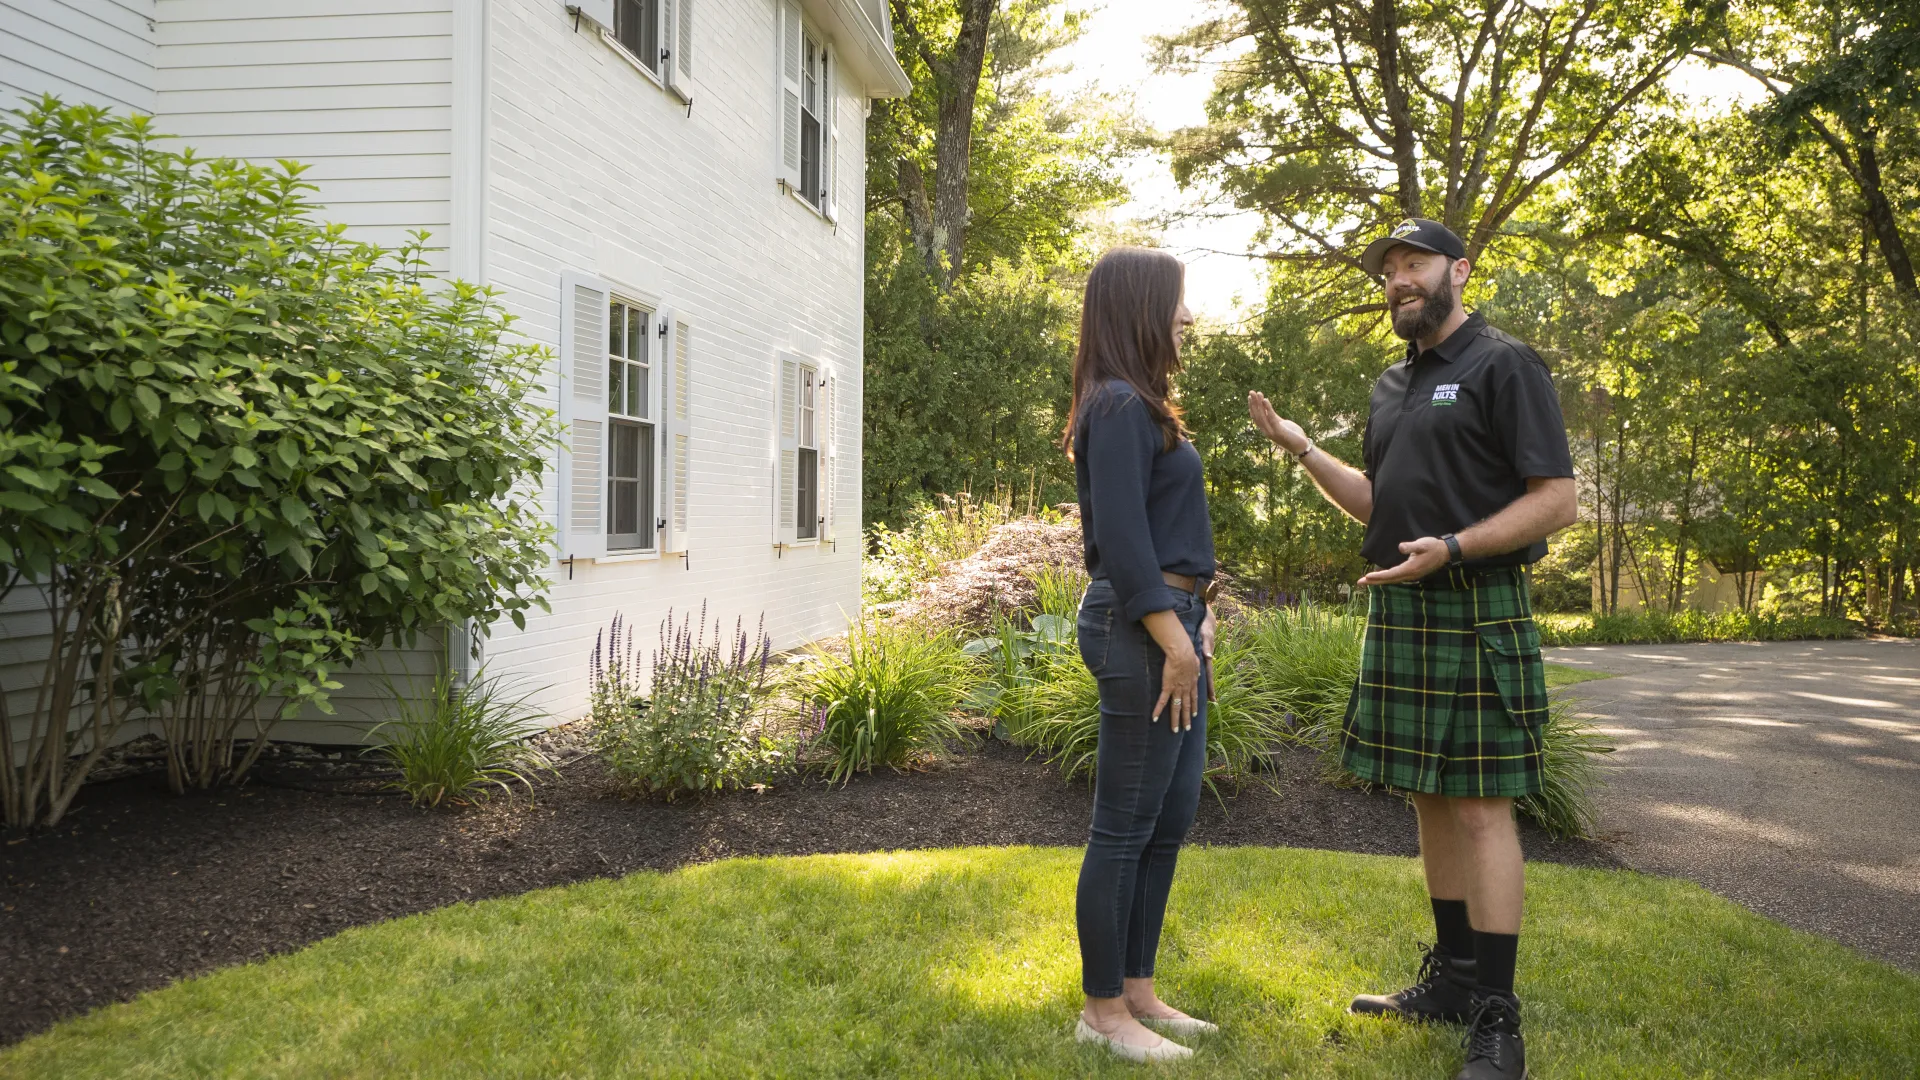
point(1126, 333)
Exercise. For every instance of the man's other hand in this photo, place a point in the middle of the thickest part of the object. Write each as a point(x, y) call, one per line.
point(1424, 556)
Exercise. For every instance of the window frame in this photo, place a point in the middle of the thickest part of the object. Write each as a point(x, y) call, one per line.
point(817, 70)
point(622, 368)
point(806, 467)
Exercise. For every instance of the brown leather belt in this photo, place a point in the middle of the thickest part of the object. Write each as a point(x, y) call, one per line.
point(1186, 583)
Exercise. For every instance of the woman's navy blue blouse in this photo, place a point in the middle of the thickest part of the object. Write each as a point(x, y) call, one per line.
point(1143, 509)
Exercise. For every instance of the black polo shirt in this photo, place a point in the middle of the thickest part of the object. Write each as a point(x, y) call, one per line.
point(1453, 433)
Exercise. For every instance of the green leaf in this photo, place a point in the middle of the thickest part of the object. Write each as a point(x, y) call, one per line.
point(37, 343)
point(22, 501)
point(148, 400)
point(33, 478)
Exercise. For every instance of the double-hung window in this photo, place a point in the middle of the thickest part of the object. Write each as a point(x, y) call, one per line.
point(631, 430)
point(804, 481)
point(626, 470)
point(813, 80)
point(809, 140)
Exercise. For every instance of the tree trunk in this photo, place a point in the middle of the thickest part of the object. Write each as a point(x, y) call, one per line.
point(953, 142)
point(1386, 43)
point(1880, 216)
point(913, 191)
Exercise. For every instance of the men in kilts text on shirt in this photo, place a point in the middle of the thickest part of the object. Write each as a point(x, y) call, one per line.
point(1467, 472)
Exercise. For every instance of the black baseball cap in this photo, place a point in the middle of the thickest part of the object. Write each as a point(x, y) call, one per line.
point(1416, 232)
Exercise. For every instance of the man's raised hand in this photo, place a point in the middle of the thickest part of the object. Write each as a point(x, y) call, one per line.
point(1285, 434)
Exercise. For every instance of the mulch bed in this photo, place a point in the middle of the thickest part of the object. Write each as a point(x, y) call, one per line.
point(138, 888)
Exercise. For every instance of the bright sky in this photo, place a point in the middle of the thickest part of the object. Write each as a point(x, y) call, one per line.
point(1112, 57)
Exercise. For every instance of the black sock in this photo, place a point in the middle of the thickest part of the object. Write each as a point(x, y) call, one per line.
point(1456, 933)
point(1494, 957)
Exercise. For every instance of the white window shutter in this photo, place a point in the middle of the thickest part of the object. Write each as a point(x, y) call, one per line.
point(676, 42)
point(677, 413)
point(789, 115)
point(786, 495)
point(583, 409)
point(600, 11)
point(829, 440)
point(830, 153)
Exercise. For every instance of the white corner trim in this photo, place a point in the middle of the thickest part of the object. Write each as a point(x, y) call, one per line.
point(467, 208)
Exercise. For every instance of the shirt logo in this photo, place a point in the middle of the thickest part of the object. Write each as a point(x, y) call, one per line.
point(1446, 394)
point(1405, 228)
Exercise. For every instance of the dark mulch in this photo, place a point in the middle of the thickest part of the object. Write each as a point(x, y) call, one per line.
point(138, 888)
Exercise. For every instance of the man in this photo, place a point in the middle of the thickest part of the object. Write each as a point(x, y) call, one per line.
point(1467, 473)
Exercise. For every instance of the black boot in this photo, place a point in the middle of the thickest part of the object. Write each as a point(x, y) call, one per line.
point(1443, 993)
point(1495, 1050)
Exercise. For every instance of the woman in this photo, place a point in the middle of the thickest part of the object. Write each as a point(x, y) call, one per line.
point(1144, 628)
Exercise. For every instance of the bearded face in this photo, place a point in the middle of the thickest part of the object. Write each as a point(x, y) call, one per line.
point(1422, 298)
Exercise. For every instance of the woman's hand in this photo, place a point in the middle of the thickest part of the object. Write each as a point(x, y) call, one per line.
point(1180, 677)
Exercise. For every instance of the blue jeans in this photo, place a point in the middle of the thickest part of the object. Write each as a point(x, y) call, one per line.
point(1145, 793)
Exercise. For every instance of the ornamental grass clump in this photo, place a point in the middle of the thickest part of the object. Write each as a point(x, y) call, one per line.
point(889, 698)
point(1303, 661)
point(1054, 707)
point(1564, 805)
point(700, 724)
point(460, 741)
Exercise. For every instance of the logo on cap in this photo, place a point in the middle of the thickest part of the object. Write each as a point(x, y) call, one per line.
point(1405, 228)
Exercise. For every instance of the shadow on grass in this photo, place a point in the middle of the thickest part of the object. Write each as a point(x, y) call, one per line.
point(963, 963)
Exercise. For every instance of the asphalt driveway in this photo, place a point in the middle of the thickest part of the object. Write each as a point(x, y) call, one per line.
point(1783, 776)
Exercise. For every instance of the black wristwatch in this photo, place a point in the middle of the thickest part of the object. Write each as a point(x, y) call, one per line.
point(1454, 558)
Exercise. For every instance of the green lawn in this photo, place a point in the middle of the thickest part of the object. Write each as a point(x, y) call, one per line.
point(963, 963)
point(1559, 675)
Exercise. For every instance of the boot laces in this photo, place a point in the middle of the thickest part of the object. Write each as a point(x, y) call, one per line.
point(1431, 967)
point(1493, 1017)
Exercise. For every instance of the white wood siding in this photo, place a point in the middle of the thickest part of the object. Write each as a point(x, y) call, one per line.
point(361, 92)
point(361, 701)
point(592, 166)
point(98, 52)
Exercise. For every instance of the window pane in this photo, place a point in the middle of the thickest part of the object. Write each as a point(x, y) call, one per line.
point(615, 373)
point(636, 334)
point(636, 26)
point(637, 391)
point(616, 324)
point(807, 505)
point(809, 158)
point(630, 518)
point(624, 462)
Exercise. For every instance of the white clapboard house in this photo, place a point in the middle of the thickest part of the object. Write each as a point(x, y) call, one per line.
point(667, 192)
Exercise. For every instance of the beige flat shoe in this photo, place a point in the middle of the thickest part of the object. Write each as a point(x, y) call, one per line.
point(1180, 1025)
point(1166, 1051)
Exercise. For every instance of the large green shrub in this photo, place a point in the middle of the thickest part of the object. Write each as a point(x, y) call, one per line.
point(236, 448)
point(697, 724)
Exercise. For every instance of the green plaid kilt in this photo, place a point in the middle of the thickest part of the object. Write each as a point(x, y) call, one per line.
point(1452, 692)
